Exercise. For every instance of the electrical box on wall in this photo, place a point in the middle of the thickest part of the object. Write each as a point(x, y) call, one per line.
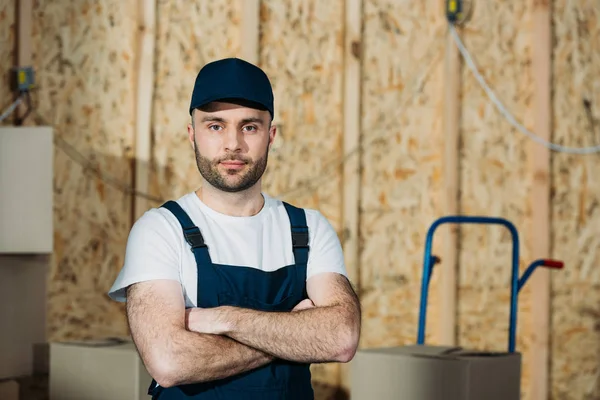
point(26, 189)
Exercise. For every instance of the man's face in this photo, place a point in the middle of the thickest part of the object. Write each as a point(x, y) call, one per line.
point(231, 143)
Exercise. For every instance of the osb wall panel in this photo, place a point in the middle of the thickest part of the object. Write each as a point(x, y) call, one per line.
point(84, 60)
point(7, 55)
point(494, 176)
point(575, 209)
point(402, 152)
point(301, 51)
point(189, 35)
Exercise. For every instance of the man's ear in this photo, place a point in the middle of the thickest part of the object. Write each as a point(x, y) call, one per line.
point(191, 134)
point(272, 134)
point(190, 129)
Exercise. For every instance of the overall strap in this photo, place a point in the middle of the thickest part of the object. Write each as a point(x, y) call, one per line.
point(191, 232)
point(299, 233)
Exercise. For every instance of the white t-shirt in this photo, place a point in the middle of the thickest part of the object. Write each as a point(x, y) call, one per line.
point(156, 247)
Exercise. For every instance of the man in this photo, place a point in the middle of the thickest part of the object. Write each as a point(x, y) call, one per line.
point(232, 294)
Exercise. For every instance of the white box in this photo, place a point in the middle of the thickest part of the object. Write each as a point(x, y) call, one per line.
point(26, 189)
point(97, 371)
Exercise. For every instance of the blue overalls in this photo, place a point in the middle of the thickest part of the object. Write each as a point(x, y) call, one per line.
point(247, 287)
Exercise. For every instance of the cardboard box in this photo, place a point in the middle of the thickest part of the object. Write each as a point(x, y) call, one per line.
point(9, 390)
point(97, 370)
point(435, 373)
point(41, 358)
point(27, 196)
point(23, 312)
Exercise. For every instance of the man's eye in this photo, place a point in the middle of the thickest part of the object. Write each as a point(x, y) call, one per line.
point(250, 128)
point(214, 127)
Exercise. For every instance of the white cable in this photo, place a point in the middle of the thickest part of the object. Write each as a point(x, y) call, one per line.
point(506, 113)
point(10, 109)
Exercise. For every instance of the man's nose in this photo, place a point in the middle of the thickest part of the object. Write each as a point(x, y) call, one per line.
point(232, 140)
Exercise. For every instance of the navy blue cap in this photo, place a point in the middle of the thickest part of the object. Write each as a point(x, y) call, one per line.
point(232, 79)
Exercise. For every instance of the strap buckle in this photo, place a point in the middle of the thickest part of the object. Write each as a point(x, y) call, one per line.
point(299, 239)
point(195, 239)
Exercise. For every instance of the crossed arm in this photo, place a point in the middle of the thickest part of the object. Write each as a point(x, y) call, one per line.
point(174, 355)
point(180, 347)
point(327, 332)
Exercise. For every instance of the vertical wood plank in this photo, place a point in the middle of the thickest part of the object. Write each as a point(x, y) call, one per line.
point(351, 144)
point(250, 31)
point(540, 199)
point(449, 269)
point(24, 59)
point(25, 10)
point(145, 89)
point(351, 137)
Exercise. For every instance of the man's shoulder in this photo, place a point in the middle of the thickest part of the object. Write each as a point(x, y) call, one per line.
point(187, 202)
point(159, 217)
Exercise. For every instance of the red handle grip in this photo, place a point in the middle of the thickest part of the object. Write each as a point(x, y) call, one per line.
point(553, 264)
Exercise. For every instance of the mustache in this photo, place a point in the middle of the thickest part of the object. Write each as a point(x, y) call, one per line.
point(232, 157)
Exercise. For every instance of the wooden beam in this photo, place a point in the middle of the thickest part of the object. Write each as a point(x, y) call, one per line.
point(144, 96)
point(449, 269)
point(249, 41)
point(24, 59)
point(351, 143)
point(539, 157)
point(25, 11)
point(351, 137)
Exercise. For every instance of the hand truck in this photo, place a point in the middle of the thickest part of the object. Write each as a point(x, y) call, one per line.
point(516, 283)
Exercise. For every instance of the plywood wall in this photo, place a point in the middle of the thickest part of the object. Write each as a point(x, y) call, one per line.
point(83, 55)
point(494, 176)
point(7, 51)
point(401, 164)
point(189, 35)
point(575, 201)
point(301, 51)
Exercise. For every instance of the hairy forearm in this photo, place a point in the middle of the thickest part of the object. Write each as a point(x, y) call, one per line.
point(318, 334)
point(175, 355)
point(202, 357)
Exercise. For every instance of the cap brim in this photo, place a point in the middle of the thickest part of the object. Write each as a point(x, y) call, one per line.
point(233, 99)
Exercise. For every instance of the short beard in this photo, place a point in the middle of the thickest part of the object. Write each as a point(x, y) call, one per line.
point(209, 169)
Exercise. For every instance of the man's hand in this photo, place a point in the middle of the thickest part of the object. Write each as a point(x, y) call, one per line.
point(211, 321)
point(204, 320)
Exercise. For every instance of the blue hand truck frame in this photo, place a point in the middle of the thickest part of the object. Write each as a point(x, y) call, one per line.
point(516, 283)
